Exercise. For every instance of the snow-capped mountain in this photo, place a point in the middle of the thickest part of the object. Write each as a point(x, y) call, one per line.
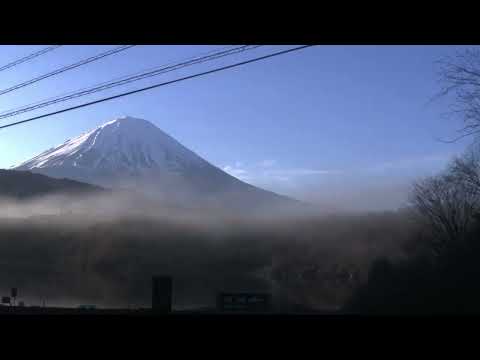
point(134, 154)
point(122, 144)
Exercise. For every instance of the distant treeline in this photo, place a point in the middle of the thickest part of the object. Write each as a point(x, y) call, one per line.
point(441, 273)
point(105, 259)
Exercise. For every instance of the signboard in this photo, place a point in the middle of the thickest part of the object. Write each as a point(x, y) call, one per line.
point(5, 299)
point(162, 294)
point(247, 302)
point(14, 292)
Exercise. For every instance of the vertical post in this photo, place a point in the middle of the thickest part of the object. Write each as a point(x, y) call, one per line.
point(162, 294)
point(14, 295)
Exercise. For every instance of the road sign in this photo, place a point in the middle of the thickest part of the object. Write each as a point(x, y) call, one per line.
point(5, 299)
point(14, 292)
point(248, 302)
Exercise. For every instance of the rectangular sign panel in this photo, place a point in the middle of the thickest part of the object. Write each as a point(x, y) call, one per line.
point(248, 302)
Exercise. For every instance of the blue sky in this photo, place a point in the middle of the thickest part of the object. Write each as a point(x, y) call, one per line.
point(325, 123)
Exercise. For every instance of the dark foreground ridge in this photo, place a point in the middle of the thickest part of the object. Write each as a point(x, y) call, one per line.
point(25, 184)
point(38, 310)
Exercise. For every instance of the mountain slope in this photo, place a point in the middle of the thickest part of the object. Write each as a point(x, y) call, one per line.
point(134, 154)
point(24, 185)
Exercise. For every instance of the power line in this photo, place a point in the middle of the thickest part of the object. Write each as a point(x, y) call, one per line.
point(125, 80)
point(66, 68)
point(128, 79)
point(29, 57)
point(157, 85)
point(44, 101)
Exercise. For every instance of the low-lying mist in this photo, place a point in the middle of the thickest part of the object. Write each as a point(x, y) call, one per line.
point(105, 248)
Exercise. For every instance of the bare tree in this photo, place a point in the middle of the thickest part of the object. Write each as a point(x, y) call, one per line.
point(448, 205)
point(460, 77)
point(466, 169)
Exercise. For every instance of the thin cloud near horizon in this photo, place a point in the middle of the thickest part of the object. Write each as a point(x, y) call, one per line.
point(354, 188)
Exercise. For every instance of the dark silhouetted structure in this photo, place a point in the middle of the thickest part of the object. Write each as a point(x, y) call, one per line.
point(162, 294)
point(6, 300)
point(245, 302)
point(13, 294)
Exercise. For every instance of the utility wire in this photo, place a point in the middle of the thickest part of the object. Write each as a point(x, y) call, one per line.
point(9, 112)
point(128, 79)
point(157, 85)
point(68, 67)
point(29, 57)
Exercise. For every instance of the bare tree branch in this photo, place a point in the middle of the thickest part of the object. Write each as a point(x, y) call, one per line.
point(460, 77)
point(448, 202)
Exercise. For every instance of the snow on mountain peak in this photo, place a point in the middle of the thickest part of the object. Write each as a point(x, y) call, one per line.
point(125, 143)
point(131, 153)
